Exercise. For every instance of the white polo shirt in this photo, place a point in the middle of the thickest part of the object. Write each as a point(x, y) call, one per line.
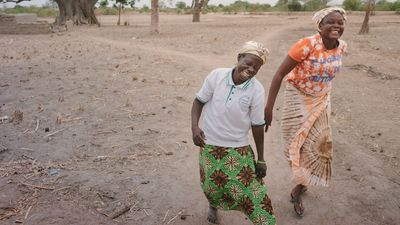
point(230, 110)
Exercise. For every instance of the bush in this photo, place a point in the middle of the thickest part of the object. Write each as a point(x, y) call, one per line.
point(180, 5)
point(40, 12)
point(145, 9)
point(395, 6)
point(353, 5)
point(103, 3)
point(243, 6)
point(294, 6)
point(106, 11)
point(314, 5)
point(212, 8)
point(383, 5)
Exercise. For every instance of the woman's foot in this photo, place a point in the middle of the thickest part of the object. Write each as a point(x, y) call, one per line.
point(296, 199)
point(212, 215)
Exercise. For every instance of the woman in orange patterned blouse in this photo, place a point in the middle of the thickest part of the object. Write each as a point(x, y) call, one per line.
point(312, 63)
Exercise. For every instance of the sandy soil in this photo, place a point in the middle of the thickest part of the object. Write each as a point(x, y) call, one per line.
point(106, 122)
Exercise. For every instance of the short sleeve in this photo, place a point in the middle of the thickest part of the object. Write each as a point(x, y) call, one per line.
point(343, 45)
point(257, 108)
point(207, 90)
point(300, 50)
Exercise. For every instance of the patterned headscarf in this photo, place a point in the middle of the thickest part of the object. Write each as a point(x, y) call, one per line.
point(320, 15)
point(255, 48)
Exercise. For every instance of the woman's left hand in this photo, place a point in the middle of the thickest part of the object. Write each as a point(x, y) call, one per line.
point(261, 170)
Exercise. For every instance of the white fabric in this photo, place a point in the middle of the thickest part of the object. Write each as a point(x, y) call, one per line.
point(230, 110)
point(255, 48)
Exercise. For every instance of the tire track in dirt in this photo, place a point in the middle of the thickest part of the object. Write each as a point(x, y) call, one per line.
point(265, 37)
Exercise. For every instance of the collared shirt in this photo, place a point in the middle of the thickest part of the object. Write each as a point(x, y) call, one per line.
point(230, 110)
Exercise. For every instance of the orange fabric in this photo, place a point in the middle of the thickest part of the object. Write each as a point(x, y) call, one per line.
point(305, 116)
point(299, 117)
point(317, 65)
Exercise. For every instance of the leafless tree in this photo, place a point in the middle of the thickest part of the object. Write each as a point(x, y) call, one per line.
point(365, 26)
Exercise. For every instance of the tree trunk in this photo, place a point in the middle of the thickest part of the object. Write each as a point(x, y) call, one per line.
point(365, 26)
point(79, 11)
point(197, 5)
point(119, 15)
point(196, 11)
point(154, 16)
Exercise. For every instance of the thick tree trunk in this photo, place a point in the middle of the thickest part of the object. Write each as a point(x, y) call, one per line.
point(196, 11)
point(154, 17)
point(79, 11)
point(197, 5)
point(365, 25)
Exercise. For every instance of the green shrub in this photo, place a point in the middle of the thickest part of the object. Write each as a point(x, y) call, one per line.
point(40, 12)
point(145, 9)
point(353, 5)
point(294, 6)
point(395, 6)
point(383, 5)
point(180, 5)
point(106, 11)
point(314, 5)
point(243, 6)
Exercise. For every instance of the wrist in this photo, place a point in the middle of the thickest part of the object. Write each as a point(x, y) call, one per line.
point(261, 162)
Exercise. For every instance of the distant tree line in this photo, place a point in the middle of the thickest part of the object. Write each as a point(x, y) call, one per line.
point(112, 7)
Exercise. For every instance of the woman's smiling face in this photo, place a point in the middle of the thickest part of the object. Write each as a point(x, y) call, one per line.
point(248, 66)
point(332, 26)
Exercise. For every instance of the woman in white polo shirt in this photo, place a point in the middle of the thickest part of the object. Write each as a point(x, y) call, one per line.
point(233, 102)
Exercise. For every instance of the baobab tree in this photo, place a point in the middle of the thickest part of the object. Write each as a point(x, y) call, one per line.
point(365, 26)
point(78, 11)
point(197, 5)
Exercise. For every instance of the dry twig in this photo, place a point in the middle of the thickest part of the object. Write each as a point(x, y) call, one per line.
point(179, 213)
point(27, 149)
point(55, 132)
point(37, 125)
point(37, 186)
point(121, 211)
point(59, 189)
point(27, 212)
point(166, 214)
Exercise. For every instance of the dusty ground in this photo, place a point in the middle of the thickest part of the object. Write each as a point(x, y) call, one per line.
point(116, 102)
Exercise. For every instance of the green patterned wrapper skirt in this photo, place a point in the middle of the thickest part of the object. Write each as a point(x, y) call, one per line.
point(229, 181)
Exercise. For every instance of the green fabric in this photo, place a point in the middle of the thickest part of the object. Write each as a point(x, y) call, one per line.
point(229, 182)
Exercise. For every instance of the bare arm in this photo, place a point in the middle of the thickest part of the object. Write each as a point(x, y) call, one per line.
point(286, 66)
point(197, 134)
point(258, 135)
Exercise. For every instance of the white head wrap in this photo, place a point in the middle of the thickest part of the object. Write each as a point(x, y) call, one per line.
point(255, 48)
point(320, 15)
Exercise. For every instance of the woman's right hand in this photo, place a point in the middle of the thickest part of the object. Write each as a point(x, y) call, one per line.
point(198, 137)
point(267, 118)
point(261, 170)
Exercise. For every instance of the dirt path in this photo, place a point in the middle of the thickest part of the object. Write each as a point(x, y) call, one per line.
point(122, 98)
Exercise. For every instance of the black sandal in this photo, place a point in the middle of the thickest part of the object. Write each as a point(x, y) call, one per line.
point(300, 213)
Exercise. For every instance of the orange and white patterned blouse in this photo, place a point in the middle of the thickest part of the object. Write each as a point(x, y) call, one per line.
point(317, 65)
